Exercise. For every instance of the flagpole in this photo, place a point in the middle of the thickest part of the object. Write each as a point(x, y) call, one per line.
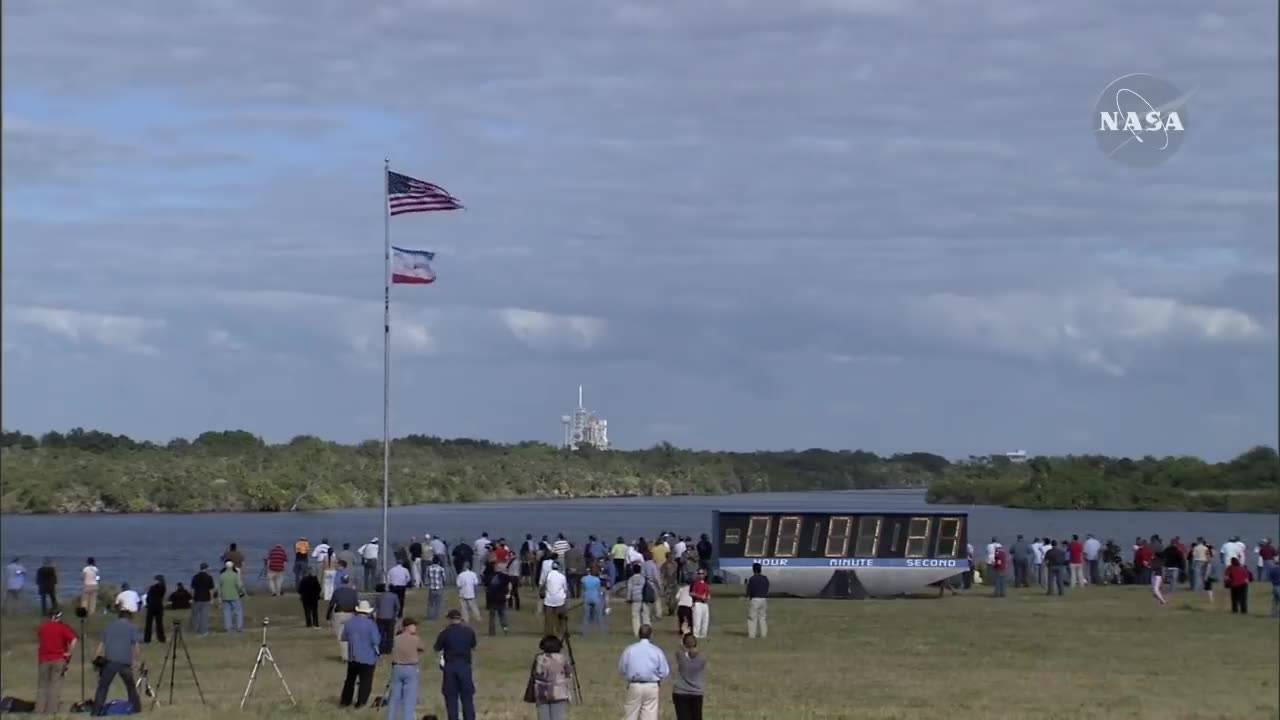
point(386, 357)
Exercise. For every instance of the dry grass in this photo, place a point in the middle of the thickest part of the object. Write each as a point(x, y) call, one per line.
point(1106, 652)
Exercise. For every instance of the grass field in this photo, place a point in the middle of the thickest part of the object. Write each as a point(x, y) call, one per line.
point(1098, 652)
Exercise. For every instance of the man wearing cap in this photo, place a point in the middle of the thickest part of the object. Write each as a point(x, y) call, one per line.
point(56, 641)
point(454, 644)
point(231, 590)
point(362, 639)
point(555, 594)
point(201, 595)
point(342, 606)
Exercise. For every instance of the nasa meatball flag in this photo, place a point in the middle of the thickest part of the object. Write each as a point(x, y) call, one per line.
point(402, 195)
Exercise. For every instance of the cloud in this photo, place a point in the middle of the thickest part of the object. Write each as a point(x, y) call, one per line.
point(117, 332)
point(781, 218)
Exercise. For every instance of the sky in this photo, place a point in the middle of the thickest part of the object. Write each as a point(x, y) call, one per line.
point(876, 224)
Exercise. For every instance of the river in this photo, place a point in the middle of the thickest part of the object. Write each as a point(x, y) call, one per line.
point(133, 548)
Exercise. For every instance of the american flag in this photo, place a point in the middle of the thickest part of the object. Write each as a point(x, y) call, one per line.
point(406, 195)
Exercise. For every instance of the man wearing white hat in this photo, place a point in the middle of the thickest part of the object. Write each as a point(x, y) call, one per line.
point(369, 557)
point(362, 638)
point(231, 592)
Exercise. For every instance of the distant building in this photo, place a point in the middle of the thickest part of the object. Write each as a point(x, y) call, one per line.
point(1017, 456)
point(584, 428)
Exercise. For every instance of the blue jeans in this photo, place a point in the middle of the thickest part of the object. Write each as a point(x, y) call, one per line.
point(457, 687)
point(593, 614)
point(1056, 578)
point(232, 609)
point(1197, 574)
point(999, 584)
point(434, 600)
point(1275, 601)
point(200, 617)
point(404, 692)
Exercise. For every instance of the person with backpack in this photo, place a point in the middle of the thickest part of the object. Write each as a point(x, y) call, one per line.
point(639, 596)
point(495, 597)
point(549, 680)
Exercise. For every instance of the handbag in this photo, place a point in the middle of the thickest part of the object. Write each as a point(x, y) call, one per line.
point(530, 695)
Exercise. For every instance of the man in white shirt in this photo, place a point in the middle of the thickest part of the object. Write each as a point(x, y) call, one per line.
point(679, 549)
point(481, 547)
point(634, 557)
point(555, 592)
point(1092, 550)
point(1233, 548)
point(398, 579)
point(89, 580)
point(369, 559)
point(991, 551)
point(128, 599)
point(320, 552)
point(467, 583)
point(643, 666)
point(1037, 561)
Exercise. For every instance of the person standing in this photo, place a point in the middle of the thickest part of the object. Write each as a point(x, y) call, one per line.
point(636, 588)
point(455, 644)
point(1236, 579)
point(689, 683)
point(342, 607)
point(155, 610)
point(467, 583)
point(555, 594)
point(369, 559)
point(1020, 556)
point(362, 639)
point(231, 591)
point(1267, 552)
point(415, 561)
point(15, 579)
point(89, 579)
point(1038, 549)
point(1055, 561)
point(301, 554)
point(1092, 548)
point(234, 556)
point(999, 572)
point(386, 610)
point(277, 561)
point(201, 595)
point(398, 579)
point(757, 603)
point(434, 581)
point(119, 651)
point(550, 676)
point(1075, 555)
point(593, 602)
point(495, 598)
point(684, 610)
point(701, 593)
point(47, 586)
point(513, 571)
point(704, 554)
point(56, 640)
point(643, 666)
point(309, 592)
point(618, 553)
point(405, 655)
point(1273, 575)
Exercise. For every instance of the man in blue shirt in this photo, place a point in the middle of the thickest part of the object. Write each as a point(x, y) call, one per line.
point(644, 666)
point(118, 651)
point(363, 639)
point(593, 601)
point(455, 643)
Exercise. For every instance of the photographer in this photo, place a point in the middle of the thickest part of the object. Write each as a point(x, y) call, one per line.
point(56, 641)
point(549, 680)
point(117, 654)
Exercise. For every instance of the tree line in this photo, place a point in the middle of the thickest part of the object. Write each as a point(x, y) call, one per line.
point(234, 470)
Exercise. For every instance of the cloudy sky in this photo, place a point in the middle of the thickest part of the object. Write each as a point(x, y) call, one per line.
point(819, 223)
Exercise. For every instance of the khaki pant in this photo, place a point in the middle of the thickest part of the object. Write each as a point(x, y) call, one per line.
point(642, 701)
point(89, 599)
point(275, 581)
point(758, 617)
point(49, 686)
point(553, 620)
point(340, 619)
point(470, 610)
point(639, 616)
point(1077, 575)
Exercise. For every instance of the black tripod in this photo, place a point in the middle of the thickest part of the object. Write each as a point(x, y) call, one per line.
point(171, 664)
point(568, 648)
point(82, 614)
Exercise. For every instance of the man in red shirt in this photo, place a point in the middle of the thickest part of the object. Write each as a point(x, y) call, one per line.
point(277, 560)
point(1075, 556)
point(1236, 578)
point(999, 568)
point(56, 641)
point(700, 591)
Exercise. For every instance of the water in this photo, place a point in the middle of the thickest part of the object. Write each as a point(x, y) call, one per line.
point(133, 548)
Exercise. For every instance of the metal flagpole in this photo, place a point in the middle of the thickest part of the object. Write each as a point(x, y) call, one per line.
point(386, 356)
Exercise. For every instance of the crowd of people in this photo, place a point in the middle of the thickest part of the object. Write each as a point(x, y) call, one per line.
point(669, 577)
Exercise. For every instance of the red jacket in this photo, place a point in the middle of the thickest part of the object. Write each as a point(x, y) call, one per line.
point(1143, 557)
point(1267, 551)
point(1236, 576)
point(1076, 551)
point(277, 559)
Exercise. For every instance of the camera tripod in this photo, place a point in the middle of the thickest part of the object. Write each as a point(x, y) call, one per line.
point(264, 653)
point(171, 665)
point(568, 648)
